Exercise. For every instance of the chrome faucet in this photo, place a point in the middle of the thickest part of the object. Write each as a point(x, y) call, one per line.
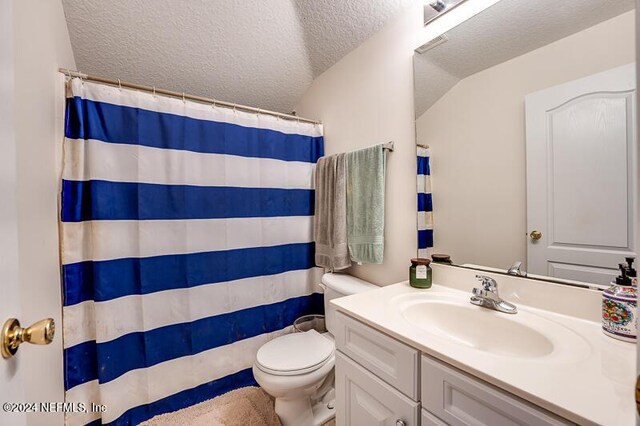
point(515, 270)
point(488, 297)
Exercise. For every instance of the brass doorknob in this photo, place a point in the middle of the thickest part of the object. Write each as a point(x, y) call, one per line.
point(535, 235)
point(12, 335)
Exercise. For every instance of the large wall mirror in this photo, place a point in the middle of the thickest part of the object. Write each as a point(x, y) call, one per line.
point(529, 110)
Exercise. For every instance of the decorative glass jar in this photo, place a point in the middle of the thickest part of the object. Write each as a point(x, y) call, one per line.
point(420, 273)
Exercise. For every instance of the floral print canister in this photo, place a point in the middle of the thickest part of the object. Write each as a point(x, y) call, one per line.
point(619, 310)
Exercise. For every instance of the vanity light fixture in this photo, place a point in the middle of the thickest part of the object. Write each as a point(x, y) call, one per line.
point(436, 8)
point(434, 30)
point(439, 5)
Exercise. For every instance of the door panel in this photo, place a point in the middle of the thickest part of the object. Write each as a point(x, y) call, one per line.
point(588, 138)
point(579, 272)
point(581, 176)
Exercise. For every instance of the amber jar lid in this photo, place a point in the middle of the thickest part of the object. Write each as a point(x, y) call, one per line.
point(420, 261)
point(441, 258)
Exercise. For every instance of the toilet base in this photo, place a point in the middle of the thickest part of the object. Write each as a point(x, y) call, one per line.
point(301, 412)
point(294, 411)
point(322, 413)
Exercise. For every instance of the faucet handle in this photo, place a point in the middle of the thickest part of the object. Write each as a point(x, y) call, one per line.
point(515, 270)
point(479, 292)
point(488, 283)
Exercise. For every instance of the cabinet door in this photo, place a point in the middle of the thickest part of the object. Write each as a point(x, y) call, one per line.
point(362, 399)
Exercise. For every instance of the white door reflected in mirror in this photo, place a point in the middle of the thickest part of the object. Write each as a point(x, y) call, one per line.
point(581, 191)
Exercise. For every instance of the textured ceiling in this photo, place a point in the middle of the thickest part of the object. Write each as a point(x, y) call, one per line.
point(254, 52)
point(508, 29)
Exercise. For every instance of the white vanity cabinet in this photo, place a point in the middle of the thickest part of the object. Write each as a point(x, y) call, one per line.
point(458, 399)
point(381, 381)
point(362, 399)
point(391, 360)
point(376, 377)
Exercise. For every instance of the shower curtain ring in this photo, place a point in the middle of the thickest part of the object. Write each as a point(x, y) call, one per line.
point(154, 91)
point(183, 98)
point(234, 108)
point(213, 104)
point(119, 84)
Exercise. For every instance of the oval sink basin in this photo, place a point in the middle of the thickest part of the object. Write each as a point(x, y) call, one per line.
point(479, 328)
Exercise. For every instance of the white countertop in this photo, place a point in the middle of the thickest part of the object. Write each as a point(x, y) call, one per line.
point(594, 387)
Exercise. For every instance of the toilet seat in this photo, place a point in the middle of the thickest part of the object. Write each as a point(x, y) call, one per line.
point(295, 354)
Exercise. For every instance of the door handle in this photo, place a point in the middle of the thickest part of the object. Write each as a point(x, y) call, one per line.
point(12, 335)
point(535, 235)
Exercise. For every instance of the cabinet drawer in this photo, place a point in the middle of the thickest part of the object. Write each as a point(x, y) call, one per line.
point(392, 361)
point(459, 399)
point(362, 399)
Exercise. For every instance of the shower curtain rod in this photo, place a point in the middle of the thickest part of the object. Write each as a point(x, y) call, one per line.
point(182, 95)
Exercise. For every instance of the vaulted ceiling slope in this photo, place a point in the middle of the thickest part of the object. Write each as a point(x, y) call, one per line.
point(254, 52)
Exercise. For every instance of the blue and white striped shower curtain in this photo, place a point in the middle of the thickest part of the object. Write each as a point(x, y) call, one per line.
point(187, 243)
point(425, 203)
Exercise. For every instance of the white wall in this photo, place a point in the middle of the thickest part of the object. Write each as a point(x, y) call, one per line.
point(477, 138)
point(367, 99)
point(41, 46)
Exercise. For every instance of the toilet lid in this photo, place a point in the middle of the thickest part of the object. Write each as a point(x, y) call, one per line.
point(295, 353)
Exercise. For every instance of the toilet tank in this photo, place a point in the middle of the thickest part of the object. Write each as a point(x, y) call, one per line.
point(339, 285)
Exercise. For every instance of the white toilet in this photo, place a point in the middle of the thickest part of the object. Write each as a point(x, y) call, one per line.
point(297, 368)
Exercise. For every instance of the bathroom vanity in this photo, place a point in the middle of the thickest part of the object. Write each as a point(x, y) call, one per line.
point(409, 357)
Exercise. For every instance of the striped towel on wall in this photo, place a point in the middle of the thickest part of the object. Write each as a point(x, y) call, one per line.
point(187, 243)
point(425, 204)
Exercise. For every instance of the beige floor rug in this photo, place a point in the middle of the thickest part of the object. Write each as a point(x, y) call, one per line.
point(249, 406)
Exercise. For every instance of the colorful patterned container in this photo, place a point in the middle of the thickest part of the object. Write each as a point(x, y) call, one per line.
point(619, 312)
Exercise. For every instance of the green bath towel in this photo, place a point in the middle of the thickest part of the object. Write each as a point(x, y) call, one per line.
point(365, 204)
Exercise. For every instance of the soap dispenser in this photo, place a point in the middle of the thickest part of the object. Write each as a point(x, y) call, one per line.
point(619, 307)
point(631, 272)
